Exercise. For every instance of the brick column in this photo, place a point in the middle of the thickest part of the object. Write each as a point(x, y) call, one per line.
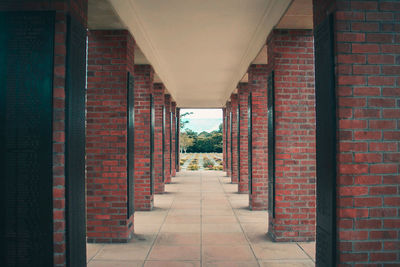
point(224, 144)
point(367, 48)
point(110, 58)
point(234, 141)
point(42, 78)
point(159, 99)
point(292, 213)
point(258, 81)
point(173, 158)
point(167, 156)
point(243, 94)
point(144, 182)
point(228, 139)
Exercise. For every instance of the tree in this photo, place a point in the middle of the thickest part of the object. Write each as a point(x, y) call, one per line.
point(182, 121)
point(185, 141)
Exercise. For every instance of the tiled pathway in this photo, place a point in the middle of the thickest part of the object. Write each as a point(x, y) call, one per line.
point(201, 221)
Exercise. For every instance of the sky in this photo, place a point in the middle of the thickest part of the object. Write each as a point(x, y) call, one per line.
point(203, 119)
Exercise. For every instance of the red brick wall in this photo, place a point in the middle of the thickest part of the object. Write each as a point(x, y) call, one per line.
point(144, 198)
point(167, 155)
point(258, 80)
point(367, 55)
point(243, 94)
point(224, 137)
point(159, 99)
point(173, 110)
point(234, 108)
point(293, 60)
point(110, 56)
point(228, 139)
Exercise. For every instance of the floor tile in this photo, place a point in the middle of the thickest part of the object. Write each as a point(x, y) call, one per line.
point(201, 220)
point(182, 252)
point(227, 253)
point(114, 263)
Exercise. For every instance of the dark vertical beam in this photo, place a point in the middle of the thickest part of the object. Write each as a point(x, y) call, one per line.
point(231, 141)
point(75, 143)
point(177, 142)
point(226, 141)
point(271, 145)
point(163, 143)
point(238, 139)
point(131, 144)
point(325, 144)
point(152, 126)
point(250, 142)
point(170, 141)
point(26, 138)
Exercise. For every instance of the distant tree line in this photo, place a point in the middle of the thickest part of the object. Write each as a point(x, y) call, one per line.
point(204, 142)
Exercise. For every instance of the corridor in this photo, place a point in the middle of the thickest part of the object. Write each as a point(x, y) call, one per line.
point(201, 220)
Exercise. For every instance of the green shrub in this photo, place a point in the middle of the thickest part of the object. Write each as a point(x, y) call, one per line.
point(193, 167)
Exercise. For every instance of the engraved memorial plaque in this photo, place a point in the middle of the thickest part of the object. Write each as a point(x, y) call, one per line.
point(26, 112)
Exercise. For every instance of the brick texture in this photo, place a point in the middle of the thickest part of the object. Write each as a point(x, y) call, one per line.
point(167, 156)
point(234, 143)
point(293, 58)
point(173, 158)
point(243, 94)
point(159, 99)
point(110, 57)
point(144, 197)
point(367, 55)
point(258, 81)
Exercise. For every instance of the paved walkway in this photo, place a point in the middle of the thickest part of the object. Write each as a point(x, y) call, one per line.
point(201, 221)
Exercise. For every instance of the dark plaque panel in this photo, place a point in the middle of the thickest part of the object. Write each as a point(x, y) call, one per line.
point(226, 141)
point(231, 139)
point(271, 145)
point(177, 144)
point(131, 144)
point(238, 142)
point(163, 143)
point(250, 141)
point(75, 143)
point(152, 125)
point(170, 142)
point(325, 144)
point(26, 86)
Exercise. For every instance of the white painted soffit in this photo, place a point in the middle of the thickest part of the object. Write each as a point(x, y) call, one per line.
point(200, 48)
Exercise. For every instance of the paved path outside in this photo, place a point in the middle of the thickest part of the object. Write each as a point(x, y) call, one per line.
point(201, 221)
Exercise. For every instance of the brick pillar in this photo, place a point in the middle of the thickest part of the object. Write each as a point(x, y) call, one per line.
point(173, 158)
point(144, 182)
point(243, 94)
point(167, 156)
point(224, 144)
point(159, 99)
point(110, 58)
point(178, 112)
point(367, 48)
point(38, 102)
point(258, 81)
point(234, 141)
point(292, 217)
point(228, 139)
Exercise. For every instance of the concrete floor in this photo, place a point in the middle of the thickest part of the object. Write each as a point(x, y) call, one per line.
point(201, 220)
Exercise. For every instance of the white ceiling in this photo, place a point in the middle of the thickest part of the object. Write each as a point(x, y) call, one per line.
point(200, 49)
